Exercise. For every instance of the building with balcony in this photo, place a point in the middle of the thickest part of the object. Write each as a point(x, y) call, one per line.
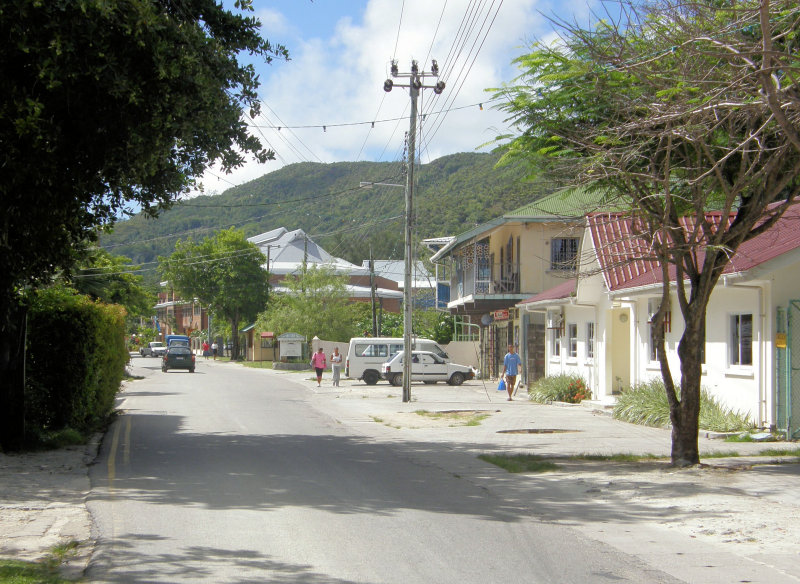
point(494, 266)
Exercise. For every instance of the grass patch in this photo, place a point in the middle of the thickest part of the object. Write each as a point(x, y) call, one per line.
point(18, 572)
point(465, 418)
point(476, 420)
point(622, 457)
point(257, 364)
point(517, 463)
point(780, 452)
point(646, 404)
point(41, 572)
point(721, 454)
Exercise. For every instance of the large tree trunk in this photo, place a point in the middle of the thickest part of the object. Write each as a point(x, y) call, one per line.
point(685, 413)
point(235, 334)
point(12, 375)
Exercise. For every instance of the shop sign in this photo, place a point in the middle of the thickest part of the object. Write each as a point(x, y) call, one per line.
point(501, 314)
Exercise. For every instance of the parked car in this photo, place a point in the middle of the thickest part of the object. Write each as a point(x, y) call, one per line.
point(428, 367)
point(153, 349)
point(178, 357)
point(366, 355)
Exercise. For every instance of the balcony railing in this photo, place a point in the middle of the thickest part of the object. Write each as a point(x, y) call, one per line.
point(486, 279)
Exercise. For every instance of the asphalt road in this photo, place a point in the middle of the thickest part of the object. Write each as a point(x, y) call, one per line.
point(226, 475)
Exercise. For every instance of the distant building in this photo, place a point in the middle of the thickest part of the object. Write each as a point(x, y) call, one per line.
point(423, 284)
point(287, 251)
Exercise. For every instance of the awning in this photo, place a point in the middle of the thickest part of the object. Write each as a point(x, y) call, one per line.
point(267, 335)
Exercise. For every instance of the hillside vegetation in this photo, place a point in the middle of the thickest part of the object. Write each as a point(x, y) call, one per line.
point(453, 194)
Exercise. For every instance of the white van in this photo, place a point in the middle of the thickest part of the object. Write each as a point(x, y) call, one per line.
point(366, 355)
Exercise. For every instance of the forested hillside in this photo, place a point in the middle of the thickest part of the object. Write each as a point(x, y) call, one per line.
point(454, 193)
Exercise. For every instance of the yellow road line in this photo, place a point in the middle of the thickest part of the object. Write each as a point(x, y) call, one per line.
point(126, 449)
point(112, 456)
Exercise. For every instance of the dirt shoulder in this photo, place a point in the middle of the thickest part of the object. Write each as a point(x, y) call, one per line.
point(43, 505)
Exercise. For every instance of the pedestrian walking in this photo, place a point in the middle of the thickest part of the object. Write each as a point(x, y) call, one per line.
point(318, 362)
point(336, 366)
point(205, 349)
point(511, 366)
point(214, 349)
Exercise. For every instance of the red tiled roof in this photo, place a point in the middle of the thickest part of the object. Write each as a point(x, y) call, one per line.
point(626, 261)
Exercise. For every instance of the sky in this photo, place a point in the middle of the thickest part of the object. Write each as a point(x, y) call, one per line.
point(327, 103)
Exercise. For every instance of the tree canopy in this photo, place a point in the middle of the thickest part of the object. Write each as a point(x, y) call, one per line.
point(224, 272)
point(313, 303)
point(111, 279)
point(677, 108)
point(107, 107)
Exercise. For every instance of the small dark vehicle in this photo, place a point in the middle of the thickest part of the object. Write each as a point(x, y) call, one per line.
point(178, 358)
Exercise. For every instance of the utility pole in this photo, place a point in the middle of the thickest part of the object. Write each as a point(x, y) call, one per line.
point(372, 292)
point(415, 84)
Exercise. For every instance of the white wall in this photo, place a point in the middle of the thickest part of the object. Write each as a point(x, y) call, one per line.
point(464, 353)
point(736, 387)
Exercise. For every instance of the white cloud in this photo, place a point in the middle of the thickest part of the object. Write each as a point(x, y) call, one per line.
point(338, 81)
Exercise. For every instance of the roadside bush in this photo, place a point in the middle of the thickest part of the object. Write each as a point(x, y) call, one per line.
point(646, 404)
point(564, 388)
point(75, 361)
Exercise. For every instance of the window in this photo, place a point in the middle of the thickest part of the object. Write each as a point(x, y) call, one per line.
point(653, 344)
point(741, 339)
point(590, 340)
point(572, 340)
point(653, 307)
point(563, 253)
point(266, 343)
point(369, 350)
point(555, 342)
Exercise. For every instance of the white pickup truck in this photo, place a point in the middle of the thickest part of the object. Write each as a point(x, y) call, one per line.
point(153, 349)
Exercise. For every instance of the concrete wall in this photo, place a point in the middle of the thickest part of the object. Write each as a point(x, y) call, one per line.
point(464, 353)
point(327, 348)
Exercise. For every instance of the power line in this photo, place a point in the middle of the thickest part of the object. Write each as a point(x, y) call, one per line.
point(441, 118)
point(284, 202)
point(385, 120)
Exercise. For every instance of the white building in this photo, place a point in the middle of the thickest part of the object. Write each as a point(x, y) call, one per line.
point(598, 325)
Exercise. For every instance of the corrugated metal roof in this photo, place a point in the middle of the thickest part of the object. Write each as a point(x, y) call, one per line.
point(467, 236)
point(562, 291)
point(572, 203)
point(627, 262)
point(566, 205)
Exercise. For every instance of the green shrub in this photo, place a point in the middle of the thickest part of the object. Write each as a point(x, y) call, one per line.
point(75, 361)
point(646, 404)
point(564, 388)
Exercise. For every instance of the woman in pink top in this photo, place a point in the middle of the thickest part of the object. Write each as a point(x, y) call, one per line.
point(318, 362)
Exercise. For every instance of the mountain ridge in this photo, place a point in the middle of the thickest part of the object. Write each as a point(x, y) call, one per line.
point(452, 194)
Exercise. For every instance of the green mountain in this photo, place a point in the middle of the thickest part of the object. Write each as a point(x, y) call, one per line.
point(453, 193)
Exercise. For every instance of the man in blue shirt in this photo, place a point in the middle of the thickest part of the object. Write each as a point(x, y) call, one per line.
point(511, 365)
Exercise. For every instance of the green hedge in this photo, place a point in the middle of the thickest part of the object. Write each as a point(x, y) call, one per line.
point(75, 362)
